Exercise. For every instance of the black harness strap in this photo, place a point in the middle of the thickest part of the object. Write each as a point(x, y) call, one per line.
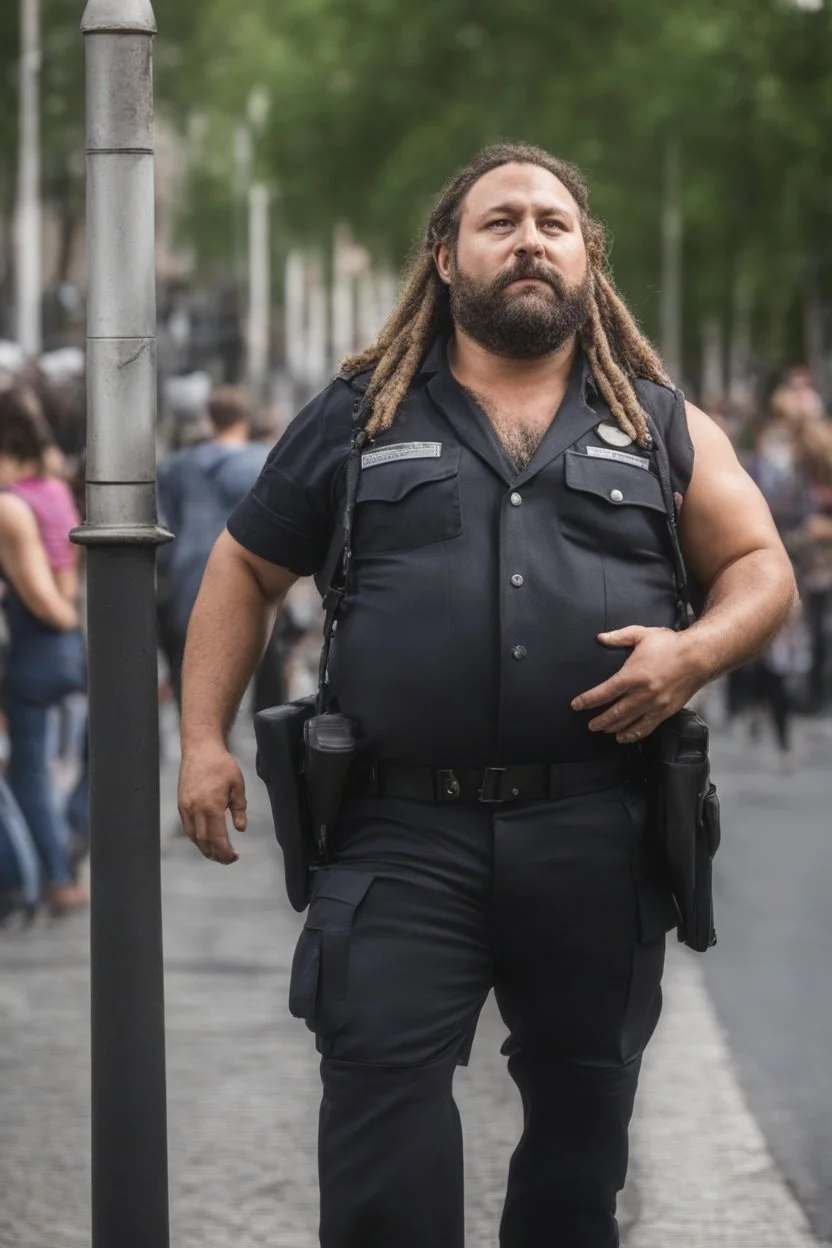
point(683, 603)
point(334, 581)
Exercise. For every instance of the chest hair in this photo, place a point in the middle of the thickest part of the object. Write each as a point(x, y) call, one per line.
point(520, 431)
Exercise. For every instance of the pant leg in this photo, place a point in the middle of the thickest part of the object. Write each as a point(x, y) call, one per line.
point(19, 868)
point(816, 605)
point(579, 958)
point(774, 692)
point(390, 973)
point(30, 780)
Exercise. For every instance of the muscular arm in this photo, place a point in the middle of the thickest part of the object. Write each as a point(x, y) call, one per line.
point(26, 565)
point(227, 636)
point(226, 639)
point(731, 545)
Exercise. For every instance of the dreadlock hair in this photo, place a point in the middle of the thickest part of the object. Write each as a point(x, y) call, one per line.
point(617, 351)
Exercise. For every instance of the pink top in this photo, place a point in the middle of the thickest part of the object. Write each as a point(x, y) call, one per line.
point(55, 511)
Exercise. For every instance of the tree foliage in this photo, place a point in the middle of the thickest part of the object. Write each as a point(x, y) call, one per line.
point(375, 102)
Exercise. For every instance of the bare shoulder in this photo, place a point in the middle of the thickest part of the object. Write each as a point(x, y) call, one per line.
point(16, 516)
point(706, 435)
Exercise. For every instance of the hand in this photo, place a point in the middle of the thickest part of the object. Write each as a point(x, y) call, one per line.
point(210, 782)
point(657, 680)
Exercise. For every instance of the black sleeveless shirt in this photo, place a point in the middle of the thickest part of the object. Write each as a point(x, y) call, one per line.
point(477, 590)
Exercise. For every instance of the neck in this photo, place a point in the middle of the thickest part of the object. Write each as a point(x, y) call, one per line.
point(235, 436)
point(22, 472)
point(481, 371)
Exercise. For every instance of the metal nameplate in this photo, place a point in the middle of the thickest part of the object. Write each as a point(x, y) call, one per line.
point(401, 450)
point(620, 457)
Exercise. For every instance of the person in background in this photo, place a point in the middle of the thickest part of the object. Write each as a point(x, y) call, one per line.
point(46, 659)
point(198, 488)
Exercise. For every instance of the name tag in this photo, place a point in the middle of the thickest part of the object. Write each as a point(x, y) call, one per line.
point(620, 457)
point(401, 450)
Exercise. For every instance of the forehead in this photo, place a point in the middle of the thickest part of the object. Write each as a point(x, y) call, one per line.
point(525, 185)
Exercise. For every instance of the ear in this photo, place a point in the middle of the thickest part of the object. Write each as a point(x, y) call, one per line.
point(442, 260)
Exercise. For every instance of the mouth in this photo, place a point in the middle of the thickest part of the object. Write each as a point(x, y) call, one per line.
point(528, 281)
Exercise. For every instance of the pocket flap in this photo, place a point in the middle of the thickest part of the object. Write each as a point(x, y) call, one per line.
point(618, 484)
point(391, 481)
point(344, 885)
point(303, 983)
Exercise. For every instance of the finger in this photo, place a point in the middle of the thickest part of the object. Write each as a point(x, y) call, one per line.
point(626, 712)
point(603, 694)
point(215, 839)
point(187, 819)
point(238, 805)
point(637, 731)
point(200, 834)
point(624, 636)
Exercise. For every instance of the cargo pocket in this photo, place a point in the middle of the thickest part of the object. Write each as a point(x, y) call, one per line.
point(656, 914)
point(319, 983)
point(656, 908)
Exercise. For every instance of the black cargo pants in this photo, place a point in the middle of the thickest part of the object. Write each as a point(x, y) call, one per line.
point(425, 909)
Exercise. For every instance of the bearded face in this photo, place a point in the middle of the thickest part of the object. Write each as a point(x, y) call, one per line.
point(526, 312)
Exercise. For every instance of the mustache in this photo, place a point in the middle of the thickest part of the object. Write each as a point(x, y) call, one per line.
point(531, 268)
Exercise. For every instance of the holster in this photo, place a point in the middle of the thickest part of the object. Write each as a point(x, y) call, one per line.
point(685, 828)
point(304, 760)
point(279, 731)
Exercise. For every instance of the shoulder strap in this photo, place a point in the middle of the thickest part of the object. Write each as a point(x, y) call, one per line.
point(683, 604)
point(334, 577)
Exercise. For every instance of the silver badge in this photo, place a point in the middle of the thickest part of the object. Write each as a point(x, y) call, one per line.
point(401, 450)
point(612, 434)
point(620, 457)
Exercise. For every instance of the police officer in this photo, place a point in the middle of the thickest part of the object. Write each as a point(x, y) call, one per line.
point(509, 633)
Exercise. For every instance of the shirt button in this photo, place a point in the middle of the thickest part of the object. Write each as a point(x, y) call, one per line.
point(517, 580)
point(516, 499)
point(519, 652)
point(616, 496)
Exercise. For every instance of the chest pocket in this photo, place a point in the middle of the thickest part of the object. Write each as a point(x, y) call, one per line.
point(408, 503)
point(616, 504)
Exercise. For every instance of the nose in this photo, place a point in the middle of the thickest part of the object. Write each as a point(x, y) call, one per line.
point(528, 240)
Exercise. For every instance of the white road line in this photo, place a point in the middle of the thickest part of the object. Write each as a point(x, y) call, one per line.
point(704, 1174)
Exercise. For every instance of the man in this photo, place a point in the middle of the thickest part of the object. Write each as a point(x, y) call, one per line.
point(509, 633)
point(199, 487)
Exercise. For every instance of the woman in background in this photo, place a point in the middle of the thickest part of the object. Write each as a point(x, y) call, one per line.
point(46, 659)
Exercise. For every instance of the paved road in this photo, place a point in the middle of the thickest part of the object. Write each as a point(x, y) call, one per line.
point(243, 1081)
point(770, 977)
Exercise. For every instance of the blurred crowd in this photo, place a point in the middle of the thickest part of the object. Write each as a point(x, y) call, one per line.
point(213, 442)
point(209, 458)
point(785, 443)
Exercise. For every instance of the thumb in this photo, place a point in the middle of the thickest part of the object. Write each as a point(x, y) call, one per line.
point(237, 804)
point(630, 636)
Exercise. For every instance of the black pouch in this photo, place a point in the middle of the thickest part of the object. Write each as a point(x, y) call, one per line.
point(686, 830)
point(279, 732)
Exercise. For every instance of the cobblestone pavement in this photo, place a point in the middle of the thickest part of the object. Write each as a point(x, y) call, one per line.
point(243, 1087)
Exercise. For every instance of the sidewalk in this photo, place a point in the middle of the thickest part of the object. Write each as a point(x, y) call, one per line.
point(243, 1087)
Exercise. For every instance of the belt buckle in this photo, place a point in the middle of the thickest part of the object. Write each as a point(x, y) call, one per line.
point(447, 789)
point(490, 787)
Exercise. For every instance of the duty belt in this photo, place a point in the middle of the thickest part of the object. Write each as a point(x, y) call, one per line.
point(532, 782)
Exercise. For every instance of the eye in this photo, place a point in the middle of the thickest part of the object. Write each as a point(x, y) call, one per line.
point(554, 223)
point(499, 221)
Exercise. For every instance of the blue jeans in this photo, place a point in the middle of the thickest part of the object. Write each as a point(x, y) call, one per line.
point(18, 860)
point(44, 666)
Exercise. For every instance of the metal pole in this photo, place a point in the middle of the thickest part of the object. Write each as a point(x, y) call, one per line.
point(672, 225)
point(259, 290)
point(343, 295)
point(28, 214)
point(129, 1133)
